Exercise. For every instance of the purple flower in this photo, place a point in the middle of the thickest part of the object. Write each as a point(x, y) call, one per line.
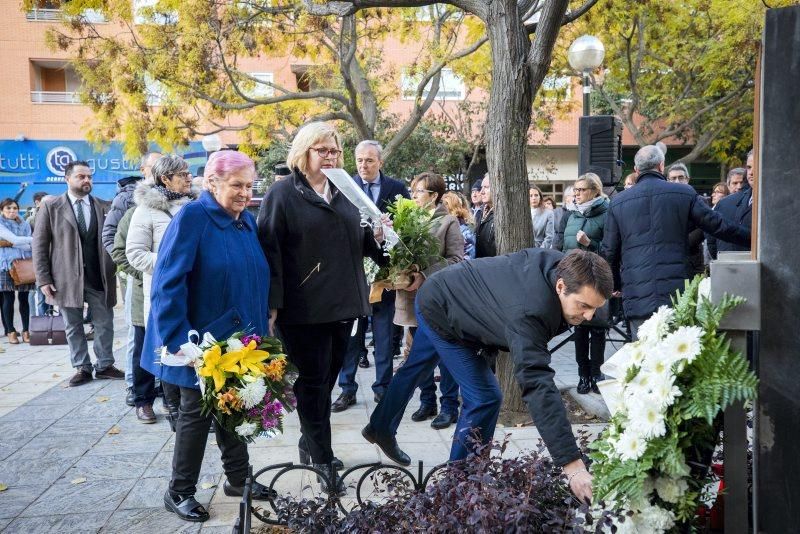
point(251, 337)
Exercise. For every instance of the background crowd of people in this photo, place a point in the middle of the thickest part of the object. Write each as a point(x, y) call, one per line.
point(189, 256)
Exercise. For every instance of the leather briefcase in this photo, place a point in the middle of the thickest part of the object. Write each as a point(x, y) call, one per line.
point(48, 330)
point(22, 272)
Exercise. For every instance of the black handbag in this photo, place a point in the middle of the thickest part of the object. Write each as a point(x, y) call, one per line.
point(48, 329)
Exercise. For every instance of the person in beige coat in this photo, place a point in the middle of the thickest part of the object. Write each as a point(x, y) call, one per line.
point(427, 190)
point(156, 205)
point(73, 267)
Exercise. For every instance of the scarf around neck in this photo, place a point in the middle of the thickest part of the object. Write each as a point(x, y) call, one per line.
point(171, 195)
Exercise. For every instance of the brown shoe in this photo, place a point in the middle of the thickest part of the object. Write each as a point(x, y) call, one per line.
point(13, 338)
point(26, 337)
point(80, 378)
point(145, 414)
point(109, 373)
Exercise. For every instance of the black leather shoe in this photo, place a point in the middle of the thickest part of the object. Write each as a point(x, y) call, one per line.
point(80, 378)
point(258, 491)
point(305, 459)
point(129, 398)
point(584, 386)
point(593, 385)
point(388, 444)
point(363, 362)
point(444, 420)
point(424, 413)
point(186, 507)
point(344, 401)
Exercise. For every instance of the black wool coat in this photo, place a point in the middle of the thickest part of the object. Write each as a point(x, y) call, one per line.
point(316, 253)
point(735, 208)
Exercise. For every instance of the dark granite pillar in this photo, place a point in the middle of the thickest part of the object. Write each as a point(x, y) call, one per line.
point(778, 422)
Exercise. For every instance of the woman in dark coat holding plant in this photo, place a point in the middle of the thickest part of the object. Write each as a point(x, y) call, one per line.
point(210, 276)
point(583, 229)
point(315, 245)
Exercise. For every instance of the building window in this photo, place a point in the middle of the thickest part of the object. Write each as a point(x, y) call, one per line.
point(155, 90)
point(54, 82)
point(451, 87)
point(148, 12)
point(259, 90)
point(50, 11)
point(556, 88)
point(554, 190)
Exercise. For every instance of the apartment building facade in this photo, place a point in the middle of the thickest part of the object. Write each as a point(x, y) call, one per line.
point(42, 120)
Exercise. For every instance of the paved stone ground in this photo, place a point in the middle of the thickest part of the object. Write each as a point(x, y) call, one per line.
point(77, 460)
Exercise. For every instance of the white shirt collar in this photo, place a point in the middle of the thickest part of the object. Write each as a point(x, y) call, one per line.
point(73, 198)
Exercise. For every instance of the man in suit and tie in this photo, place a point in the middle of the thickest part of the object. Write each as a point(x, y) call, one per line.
point(736, 208)
point(382, 190)
point(73, 267)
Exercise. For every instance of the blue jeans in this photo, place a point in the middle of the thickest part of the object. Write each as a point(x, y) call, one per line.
point(382, 333)
point(480, 391)
point(448, 387)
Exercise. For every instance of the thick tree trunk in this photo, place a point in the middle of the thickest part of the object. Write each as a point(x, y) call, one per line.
point(509, 117)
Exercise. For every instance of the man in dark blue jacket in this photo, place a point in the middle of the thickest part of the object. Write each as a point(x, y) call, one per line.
point(646, 236)
point(736, 208)
point(382, 190)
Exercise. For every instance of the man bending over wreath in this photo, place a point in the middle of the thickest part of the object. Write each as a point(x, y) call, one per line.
point(517, 303)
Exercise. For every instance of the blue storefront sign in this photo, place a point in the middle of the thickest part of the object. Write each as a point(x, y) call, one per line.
point(27, 167)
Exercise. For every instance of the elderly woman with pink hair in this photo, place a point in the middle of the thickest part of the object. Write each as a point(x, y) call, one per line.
point(211, 276)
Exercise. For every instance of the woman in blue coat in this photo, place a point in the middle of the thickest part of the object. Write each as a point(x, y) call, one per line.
point(211, 276)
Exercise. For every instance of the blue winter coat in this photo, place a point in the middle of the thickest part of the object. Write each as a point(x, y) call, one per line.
point(211, 276)
point(646, 239)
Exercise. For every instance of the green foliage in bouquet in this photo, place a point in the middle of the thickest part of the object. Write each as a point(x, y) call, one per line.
point(418, 248)
point(674, 383)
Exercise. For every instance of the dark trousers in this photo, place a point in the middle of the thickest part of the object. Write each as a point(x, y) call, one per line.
point(144, 384)
point(8, 310)
point(447, 386)
point(317, 350)
point(590, 349)
point(383, 333)
point(480, 391)
point(356, 347)
point(191, 436)
point(172, 394)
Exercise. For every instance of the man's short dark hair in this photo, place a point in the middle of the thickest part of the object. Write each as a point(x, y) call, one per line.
point(39, 196)
point(72, 164)
point(583, 268)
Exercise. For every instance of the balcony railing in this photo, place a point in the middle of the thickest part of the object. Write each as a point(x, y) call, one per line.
point(55, 97)
point(53, 15)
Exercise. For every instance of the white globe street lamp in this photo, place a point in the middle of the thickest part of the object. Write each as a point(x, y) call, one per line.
point(586, 54)
point(212, 143)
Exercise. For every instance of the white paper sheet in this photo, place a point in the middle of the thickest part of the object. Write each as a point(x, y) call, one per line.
point(370, 214)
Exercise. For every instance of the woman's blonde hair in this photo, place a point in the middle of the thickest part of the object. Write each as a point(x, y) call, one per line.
point(457, 206)
point(308, 136)
point(593, 181)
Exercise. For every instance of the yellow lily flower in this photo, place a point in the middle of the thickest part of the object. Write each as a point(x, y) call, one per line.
point(215, 365)
point(250, 359)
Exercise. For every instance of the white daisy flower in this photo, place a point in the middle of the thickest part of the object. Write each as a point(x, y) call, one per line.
point(657, 326)
point(684, 344)
point(664, 391)
point(630, 446)
point(647, 419)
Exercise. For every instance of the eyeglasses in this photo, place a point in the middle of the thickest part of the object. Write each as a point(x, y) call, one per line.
point(420, 192)
point(579, 190)
point(325, 153)
point(182, 174)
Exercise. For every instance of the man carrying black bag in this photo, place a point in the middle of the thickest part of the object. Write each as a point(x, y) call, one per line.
point(516, 302)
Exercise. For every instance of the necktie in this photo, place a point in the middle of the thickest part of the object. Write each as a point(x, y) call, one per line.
point(368, 190)
point(81, 218)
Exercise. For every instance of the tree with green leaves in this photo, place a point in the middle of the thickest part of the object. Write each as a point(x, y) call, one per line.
point(681, 70)
point(187, 57)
